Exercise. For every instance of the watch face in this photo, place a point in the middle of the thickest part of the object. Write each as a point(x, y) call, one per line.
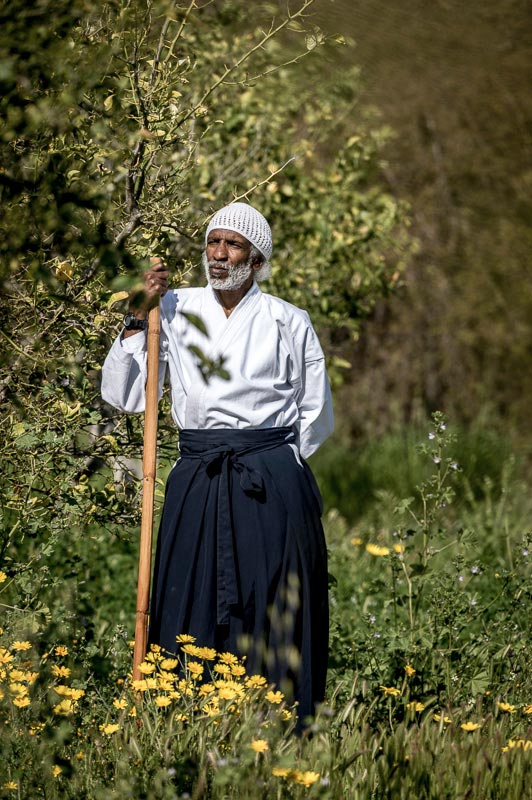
point(131, 322)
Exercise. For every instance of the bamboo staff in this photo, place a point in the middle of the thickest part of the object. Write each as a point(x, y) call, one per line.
point(149, 467)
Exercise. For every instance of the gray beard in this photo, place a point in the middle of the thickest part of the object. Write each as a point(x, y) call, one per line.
point(236, 275)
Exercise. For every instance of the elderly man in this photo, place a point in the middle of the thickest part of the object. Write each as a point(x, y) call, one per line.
point(241, 562)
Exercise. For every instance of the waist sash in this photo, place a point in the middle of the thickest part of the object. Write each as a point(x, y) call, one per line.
point(223, 451)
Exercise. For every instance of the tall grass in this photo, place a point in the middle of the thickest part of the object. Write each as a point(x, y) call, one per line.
point(429, 693)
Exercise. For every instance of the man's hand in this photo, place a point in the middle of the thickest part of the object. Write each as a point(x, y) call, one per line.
point(155, 286)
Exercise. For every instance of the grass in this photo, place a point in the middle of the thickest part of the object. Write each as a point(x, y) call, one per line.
point(429, 693)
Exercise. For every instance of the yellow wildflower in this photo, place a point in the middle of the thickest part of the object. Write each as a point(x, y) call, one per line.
point(5, 656)
point(227, 693)
point(80, 755)
point(139, 686)
point(21, 701)
point(192, 650)
point(207, 653)
point(155, 648)
point(238, 670)
point(356, 541)
point(31, 677)
point(228, 658)
point(65, 708)
point(274, 697)
point(169, 663)
point(281, 772)
point(206, 689)
point(1, 694)
point(391, 690)
point(259, 745)
point(151, 683)
point(146, 669)
point(3, 576)
point(162, 702)
point(18, 688)
point(211, 709)
point(510, 709)
point(185, 638)
point(17, 675)
point(10, 784)
point(256, 681)
point(399, 548)
point(524, 744)
point(286, 714)
point(61, 672)
point(409, 670)
point(377, 550)
point(120, 703)
point(470, 726)
point(304, 778)
point(36, 728)
point(132, 711)
point(223, 669)
point(165, 686)
point(21, 646)
point(56, 770)
point(527, 709)
point(438, 717)
point(109, 728)
point(61, 650)
point(415, 706)
point(68, 691)
point(195, 668)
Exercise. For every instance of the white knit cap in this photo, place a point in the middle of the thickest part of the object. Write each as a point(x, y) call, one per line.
point(246, 220)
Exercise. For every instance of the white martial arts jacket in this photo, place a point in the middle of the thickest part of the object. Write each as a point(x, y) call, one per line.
point(270, 349)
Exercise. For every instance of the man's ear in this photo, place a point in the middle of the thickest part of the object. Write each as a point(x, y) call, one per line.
point(257, 262)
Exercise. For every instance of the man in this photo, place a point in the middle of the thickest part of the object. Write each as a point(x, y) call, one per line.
point(241, 562)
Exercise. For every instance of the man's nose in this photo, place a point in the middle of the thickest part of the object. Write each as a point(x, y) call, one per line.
point(220, 252)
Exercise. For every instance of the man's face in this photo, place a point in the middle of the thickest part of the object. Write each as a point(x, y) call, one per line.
point(227, 262)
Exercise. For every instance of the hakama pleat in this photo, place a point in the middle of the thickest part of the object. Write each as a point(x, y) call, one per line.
point(241, 562)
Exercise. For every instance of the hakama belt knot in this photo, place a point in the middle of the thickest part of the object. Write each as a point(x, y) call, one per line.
point(223, 452)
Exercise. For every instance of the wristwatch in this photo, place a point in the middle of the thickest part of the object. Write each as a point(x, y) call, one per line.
point(133, 323)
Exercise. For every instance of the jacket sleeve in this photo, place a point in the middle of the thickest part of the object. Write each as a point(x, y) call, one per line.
point(316, 418)
point(124, 373)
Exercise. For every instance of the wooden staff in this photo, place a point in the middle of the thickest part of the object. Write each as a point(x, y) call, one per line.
point(149, 467)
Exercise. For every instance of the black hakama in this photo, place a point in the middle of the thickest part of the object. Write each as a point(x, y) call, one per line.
point(241, 562)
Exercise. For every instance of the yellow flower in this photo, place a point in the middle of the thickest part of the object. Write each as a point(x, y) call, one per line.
point(206, 689)
point(377, 550)
point(155, 648)
point(228, 658)
point(185, 638)
point(60, 672)
point(507, 707)
point(527, 709)
point(162, 702)
point(65, 708)
point(211, 709)
point(305, 778)
point(18, 688)
point(146, 669)
point(31, 677)
point(399, 548)
point(437, 718)
point(169, 663)
point(356, 541)
point(227, 693)
point(37, 728)
point(195, 668)
point(391, 690)
point(259, 745)
point(10, 784)
point(139, 686)
point(132, 711)
point(151, 683)
point(238, 670)
point(286, 714)
point(61, 650)
point(414, 706)
point(68, 691)
point(17, 675)
point(256, 681)
point(409, 670)
point(120, 703)
point(223, 669)
point(281, 772)
point(21, 646)
point(3, 577)
point(274, 697)
point(21, 702)
point(470, 726)
point(5, 656)
point(207, 653)
point(524, 744)
point(56, 770)
point(109, 728)
point(80, 755)
point(192, 650)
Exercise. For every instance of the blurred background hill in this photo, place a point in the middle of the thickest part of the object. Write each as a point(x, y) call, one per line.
point(452, 80)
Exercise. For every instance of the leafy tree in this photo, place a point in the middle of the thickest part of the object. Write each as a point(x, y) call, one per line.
point(124, 127)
